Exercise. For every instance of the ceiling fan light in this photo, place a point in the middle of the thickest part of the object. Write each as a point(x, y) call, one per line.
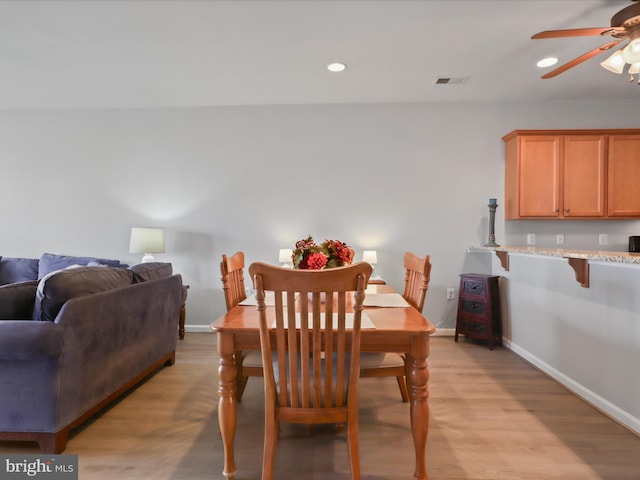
point(634, 68)
point(615, 63)
point(631, 53)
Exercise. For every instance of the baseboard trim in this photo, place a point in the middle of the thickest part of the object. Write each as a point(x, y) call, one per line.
point(609, 409)
point(198, 328)
point(444, 332)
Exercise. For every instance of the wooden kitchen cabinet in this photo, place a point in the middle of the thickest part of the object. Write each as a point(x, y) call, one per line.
point(572, 174)
point(584, 175)
point(623, 198)
point(537, 163)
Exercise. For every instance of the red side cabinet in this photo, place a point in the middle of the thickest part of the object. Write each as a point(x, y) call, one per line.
point(479, 308)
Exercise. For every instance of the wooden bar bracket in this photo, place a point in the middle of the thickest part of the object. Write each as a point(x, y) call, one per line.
point(504, 259)
point(581, 267)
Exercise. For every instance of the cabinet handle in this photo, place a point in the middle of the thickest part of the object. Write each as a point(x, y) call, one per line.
point(567, 210)
point(557, 210)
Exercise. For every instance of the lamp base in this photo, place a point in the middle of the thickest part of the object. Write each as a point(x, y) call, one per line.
point(147, 258)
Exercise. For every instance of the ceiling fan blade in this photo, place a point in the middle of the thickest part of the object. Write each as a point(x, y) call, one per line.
point(582, 58)
point(579, 32)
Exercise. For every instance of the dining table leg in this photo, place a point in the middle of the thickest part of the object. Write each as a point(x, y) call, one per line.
point(227, 405)
point(419, 401)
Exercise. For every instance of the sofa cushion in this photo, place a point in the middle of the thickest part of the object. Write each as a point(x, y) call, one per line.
point(59, 286)
point(14, 270)
point(16, 300)
point(150, 271)
point(50, 262)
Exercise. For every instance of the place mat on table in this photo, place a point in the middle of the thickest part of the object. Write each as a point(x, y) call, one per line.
point(269, 299)
point(385, 300)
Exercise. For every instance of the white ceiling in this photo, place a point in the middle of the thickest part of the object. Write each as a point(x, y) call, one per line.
point(173, 53)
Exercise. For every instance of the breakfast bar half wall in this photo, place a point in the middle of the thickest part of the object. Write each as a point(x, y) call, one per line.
point(588, 339)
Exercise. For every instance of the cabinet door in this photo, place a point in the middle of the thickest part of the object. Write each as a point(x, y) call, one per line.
point(539, 176)
point(584, 173)
point(623, 186)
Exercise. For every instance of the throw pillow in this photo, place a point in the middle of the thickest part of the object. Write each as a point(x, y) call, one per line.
point(50, 262)
point(14, 270)
point(58, 287)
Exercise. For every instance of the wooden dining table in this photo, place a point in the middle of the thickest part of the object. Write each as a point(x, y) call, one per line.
point(397, 329)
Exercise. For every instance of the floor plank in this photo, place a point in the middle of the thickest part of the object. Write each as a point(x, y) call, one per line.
point(493, 417)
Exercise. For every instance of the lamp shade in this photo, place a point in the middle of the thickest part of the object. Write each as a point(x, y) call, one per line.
point(370, 256)
point(147, 241)
point(631, 53)
point(615, 63)
point(285, 255)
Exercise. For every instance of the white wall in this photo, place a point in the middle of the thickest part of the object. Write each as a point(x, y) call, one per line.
point(391, 177)
point(586, 338)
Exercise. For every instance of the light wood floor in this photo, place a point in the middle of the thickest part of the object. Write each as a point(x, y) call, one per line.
point(493, 417)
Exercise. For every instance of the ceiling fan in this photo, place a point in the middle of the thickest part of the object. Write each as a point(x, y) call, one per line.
point(624, 25)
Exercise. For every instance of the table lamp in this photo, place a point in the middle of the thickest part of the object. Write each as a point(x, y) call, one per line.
point(285, 258)
point(147, 241)
point(371, 257)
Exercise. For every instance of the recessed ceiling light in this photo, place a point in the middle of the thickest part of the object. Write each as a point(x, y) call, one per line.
point(336, 67)
point(547, 62)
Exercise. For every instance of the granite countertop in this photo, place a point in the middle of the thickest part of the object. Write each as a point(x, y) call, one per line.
point(600, 256)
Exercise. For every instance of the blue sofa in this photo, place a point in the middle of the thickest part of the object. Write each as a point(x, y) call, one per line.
point(73, 340)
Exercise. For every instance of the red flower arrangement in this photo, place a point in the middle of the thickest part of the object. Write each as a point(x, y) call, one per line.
point(329, 254)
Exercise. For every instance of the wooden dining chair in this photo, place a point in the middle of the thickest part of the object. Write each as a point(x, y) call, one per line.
point(416, 282)
point(417, 274)
point(232, 270)
point(311, 366)
point(248, 364)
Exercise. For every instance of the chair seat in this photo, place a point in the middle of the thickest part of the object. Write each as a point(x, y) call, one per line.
point(252, 358)
point(374, 364)
point(377, 360)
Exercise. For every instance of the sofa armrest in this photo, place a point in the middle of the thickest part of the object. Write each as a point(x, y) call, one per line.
point(26, 340)
point(31, 362)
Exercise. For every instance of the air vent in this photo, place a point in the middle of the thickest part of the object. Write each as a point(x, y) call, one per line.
point(449, 80)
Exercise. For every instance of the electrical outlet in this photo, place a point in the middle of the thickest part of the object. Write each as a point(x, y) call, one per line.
point(451, 293)
point(560, 239)
point(603, 239)
point(531, 238)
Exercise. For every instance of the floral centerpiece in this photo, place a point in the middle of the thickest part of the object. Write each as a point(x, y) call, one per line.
point(308, 255)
